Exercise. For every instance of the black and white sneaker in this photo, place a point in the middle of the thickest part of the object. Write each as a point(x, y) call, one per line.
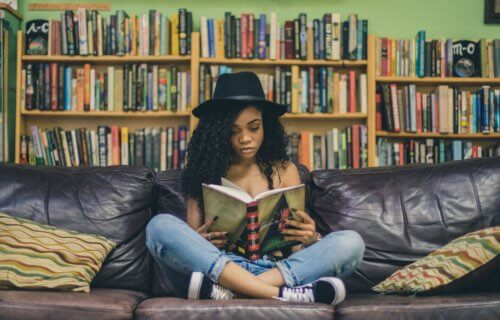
point(201, 287)
point(329, 290)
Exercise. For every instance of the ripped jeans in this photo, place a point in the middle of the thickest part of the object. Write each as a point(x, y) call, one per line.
point(179, 250)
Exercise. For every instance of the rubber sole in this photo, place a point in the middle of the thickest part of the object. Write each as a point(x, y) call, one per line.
point(195, 285)
point(339, 289)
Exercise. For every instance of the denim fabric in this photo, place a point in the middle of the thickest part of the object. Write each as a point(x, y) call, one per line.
point(180, 250)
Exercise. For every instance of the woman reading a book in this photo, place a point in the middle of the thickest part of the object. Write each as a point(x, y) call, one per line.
point(240, 139)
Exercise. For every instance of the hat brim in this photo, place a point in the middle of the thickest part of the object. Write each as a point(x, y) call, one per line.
point(214, 105)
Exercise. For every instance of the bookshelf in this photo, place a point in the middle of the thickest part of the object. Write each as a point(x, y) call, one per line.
point(317, 123)
point(429, 85)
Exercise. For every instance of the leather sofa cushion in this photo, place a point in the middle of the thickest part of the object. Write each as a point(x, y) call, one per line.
point(361, 306)
point(174, 308)
point(114, 202)
point(103, 304)
point(404, 213)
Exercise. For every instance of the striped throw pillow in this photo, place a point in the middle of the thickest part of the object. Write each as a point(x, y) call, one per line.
point(447, 265)
point(34, 256)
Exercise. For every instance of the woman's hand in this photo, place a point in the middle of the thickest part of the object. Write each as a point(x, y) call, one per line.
point(218, 239)
point(303, 231)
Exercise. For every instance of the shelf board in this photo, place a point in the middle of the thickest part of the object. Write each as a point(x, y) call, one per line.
point(16, 13)
point(278, 62)
point(104, 59)
point(319, 116)
point(448, 80)
point(122, 114)
point(493, 135)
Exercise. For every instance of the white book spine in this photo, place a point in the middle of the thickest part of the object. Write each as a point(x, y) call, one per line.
point(111, 86)
point(272, 36)
point(109, 153)
point(163, 151)
point(95, 148)
point(92, 90)
point(336, 34)
point(99, 35)
point(363, 92)
point(82, 31)
point(75, 148)
point(204, 36)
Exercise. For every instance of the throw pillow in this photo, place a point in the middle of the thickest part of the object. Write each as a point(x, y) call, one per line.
point(459, 260)
point(34, 256)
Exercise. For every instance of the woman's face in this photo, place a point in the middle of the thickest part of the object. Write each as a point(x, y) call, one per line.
point(247, 134)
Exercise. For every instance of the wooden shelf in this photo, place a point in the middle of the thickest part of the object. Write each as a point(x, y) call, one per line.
point(105, 59)
point(422, 135)
point(17, 14)
point(449, 80)
point(329, 116)
point(122, 114)
point(281, 62)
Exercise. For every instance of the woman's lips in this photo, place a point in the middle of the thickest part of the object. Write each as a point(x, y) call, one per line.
point(246, 150)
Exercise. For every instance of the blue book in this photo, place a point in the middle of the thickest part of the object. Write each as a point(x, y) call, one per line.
point(150, 92)
point(442, 151)
point(210, 31)
point(421, 52)
point(67, 88)
point(262, 37)
point(497, 112)
point(359, 40)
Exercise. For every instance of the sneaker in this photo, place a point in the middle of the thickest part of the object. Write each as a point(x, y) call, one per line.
point(329, 290)
point(200, 287)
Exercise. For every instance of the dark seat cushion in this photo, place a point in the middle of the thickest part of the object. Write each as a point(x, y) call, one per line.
point(114, 202)
point(404, 213)
point(174, 308)
point(103, 304)
point(361, 306)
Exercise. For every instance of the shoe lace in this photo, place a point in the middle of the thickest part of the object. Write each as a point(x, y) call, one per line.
point(221, 293)
point(298, 294)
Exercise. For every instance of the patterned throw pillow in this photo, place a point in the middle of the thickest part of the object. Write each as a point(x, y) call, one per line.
point(459, 258)
point(34, 256)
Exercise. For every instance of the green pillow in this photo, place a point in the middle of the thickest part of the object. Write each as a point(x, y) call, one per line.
point(34, 256)
point(472, 253)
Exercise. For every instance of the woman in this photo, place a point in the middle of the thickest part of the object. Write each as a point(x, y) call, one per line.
point(239, 137)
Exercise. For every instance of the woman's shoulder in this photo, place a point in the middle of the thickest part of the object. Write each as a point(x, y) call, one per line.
point(289, 175)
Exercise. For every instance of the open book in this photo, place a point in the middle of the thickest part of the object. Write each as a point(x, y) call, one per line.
point(254, 224)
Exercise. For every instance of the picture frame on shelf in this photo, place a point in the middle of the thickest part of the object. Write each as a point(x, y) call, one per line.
point(491, 11)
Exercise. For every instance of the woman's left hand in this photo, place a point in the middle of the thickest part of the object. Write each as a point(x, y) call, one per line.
point(303, 231)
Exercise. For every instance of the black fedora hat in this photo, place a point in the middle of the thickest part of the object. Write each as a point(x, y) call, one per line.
point(236, 90)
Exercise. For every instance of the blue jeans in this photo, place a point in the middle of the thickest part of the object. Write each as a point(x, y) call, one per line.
point(180, 250)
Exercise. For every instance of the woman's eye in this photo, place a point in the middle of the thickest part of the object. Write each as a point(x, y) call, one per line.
point(254, 129)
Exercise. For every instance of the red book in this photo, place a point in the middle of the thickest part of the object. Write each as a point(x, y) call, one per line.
point(352, 92)
point(251, 40)
point(401, 154)
point(419, 111)
point(383, 59)
point(115, 145)
point(244, 36)
point(355, 146)
point(289, 54)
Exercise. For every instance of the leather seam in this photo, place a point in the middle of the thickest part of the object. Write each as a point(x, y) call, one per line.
point(42, 306)
point(476, 196)
point(226, 307)
point(400, 308)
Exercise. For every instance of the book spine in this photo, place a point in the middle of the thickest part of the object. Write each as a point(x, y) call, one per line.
point(252, 245)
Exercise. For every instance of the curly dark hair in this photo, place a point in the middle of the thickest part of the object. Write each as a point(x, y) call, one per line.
point(209, 153)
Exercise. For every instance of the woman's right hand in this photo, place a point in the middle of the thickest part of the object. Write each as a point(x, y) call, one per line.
point(217, 238)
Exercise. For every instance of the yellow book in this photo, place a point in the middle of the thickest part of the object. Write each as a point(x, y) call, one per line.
point(295, 89)
point(219, 38)
point(133, 32)
point(174, 29)
point(124, 145)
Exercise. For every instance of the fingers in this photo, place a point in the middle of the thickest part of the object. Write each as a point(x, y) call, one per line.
point(219, 243)
point(299, 225)
point(305, 217)
point(294, 238)
point(218, 235)
point(204, 228)
point(295, 232)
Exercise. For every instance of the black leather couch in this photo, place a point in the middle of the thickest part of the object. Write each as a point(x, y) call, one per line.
point(402, 213)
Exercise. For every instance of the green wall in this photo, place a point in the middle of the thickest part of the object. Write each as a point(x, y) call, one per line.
point(457, 19)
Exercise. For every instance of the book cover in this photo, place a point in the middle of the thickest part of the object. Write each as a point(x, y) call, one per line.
point(266, 212)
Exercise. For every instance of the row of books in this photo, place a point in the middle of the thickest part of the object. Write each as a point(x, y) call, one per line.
point(87, 32)
point(419, 57)
point(430, 151)
point(153, 147)
point(337, 149)
point(4, 110)
point(446, 110)
point(319, 89)
point(131, 87)
point(251, 36)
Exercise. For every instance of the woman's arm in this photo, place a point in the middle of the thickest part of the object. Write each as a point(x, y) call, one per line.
point(194, 214)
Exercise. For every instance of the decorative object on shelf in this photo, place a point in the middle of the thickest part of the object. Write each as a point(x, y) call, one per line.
point(492, 11)
point(11, 3)
point(37, 36)
point(466, 59)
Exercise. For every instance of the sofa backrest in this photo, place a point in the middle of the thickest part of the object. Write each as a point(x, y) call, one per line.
point(172, 200)
point(115, 202)
point(404, 213)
